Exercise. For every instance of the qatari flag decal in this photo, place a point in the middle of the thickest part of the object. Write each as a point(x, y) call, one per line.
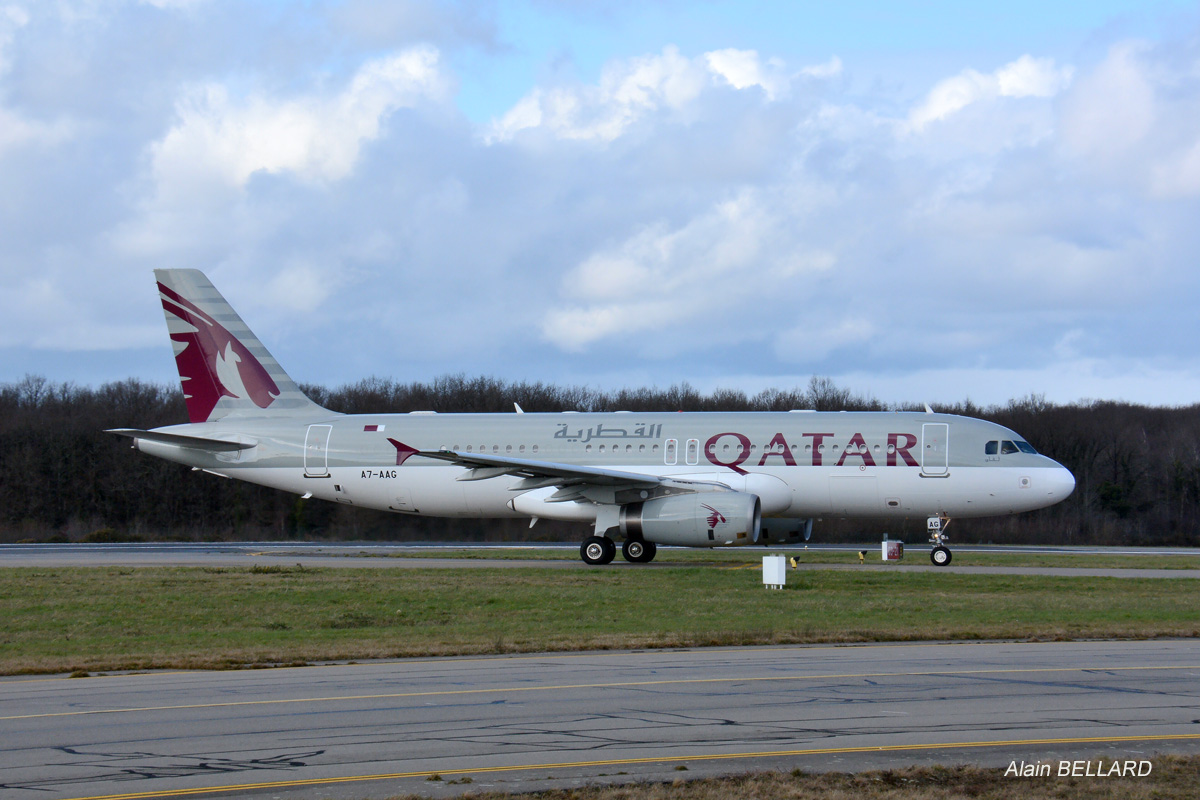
point(373, 428)
point(403, 451)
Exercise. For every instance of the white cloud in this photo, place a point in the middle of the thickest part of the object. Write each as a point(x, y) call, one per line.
point(171, 4)
point(1178, 175)
point(315, 137)
point(830, 69)
point(742, 69)
point(631, 89)
point(712, 216)
point(627, 90)
point(17, 129)
point(299, 287)
point(694, 282)
point(1112, 109)
point(1134, 122)
point(1025, 77)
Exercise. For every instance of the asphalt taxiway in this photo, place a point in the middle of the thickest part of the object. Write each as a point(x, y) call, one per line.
point(537, 721)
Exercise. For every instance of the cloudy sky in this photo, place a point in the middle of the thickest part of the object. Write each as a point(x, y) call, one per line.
point(923, 200)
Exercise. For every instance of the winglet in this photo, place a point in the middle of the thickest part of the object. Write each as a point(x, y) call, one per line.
point(403, 451)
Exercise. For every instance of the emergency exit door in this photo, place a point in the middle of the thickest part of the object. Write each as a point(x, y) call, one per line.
point(935, 449)
point(316, 451)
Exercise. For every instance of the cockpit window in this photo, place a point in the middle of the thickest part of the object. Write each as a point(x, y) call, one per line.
point(1007, 447)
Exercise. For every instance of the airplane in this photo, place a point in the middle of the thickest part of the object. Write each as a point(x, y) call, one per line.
point(708, 479)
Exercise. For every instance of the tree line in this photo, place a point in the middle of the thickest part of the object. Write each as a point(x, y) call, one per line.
point(62, 478)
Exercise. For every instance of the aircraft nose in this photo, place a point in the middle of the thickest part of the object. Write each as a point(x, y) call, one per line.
point(1062, 483)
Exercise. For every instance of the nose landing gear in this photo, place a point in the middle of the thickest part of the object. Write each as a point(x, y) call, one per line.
point(940, 555)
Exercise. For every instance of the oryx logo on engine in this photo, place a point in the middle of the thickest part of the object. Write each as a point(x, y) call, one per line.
point(714, 516)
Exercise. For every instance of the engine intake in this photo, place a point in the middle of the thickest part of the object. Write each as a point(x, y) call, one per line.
point(704, 519)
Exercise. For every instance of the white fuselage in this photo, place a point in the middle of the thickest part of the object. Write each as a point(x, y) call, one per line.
point(800, 464)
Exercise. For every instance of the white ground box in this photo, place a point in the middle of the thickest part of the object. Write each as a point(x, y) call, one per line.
point(774, 572)
point(893, 551)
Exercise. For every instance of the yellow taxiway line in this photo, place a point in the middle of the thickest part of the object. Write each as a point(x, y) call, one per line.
point(245, 787)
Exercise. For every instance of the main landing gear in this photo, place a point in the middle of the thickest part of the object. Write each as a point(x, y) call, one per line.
point(597, 550)
point(638, 551)
point(940, 555)
point(600, 550)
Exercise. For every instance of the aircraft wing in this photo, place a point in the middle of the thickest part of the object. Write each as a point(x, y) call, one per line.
point(538, 474)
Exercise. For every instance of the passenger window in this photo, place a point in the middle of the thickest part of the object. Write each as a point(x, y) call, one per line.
point(991, 448)
point(1007, 447)
point(535, 448)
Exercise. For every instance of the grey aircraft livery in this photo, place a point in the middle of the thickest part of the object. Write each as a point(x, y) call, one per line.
point(693, 479)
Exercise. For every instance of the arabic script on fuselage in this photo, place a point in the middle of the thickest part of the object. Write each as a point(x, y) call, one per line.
point(602, 431)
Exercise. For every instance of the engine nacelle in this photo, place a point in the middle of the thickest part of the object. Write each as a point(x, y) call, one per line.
point(703, 519)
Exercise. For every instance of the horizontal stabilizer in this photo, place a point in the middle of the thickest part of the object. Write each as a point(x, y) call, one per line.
point(180, 440)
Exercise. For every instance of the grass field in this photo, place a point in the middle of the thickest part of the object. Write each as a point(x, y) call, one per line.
point(1172, 778)
point(90, 619)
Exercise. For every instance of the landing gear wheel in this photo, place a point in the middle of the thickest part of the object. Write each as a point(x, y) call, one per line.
point(940, 556)
point(597, 550)
point(638, 551)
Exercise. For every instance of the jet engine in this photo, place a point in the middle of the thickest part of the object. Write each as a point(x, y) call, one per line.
point(703, 519)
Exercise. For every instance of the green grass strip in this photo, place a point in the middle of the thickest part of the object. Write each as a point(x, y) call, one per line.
point(106, 618)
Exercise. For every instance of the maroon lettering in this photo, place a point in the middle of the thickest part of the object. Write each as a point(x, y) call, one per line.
point(785, 454)
point(857, 448)
point(816, 446)
point(710, 452)
point(897, 449)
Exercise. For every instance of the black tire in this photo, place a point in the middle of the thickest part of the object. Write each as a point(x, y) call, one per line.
point(940, 556)
point(638, 551)
point(597, 550)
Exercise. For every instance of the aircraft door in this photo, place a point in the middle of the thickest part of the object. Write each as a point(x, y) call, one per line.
point(316, 451)
point(935, 449)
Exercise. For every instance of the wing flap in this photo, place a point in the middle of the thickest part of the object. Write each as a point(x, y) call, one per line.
point(539, 474)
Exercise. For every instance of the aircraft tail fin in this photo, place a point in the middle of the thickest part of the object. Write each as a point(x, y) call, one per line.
point(223, 367)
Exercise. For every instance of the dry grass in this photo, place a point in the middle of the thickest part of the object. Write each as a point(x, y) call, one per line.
point(1173, 778)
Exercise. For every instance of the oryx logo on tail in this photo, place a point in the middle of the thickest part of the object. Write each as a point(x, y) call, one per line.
point(213, 363)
